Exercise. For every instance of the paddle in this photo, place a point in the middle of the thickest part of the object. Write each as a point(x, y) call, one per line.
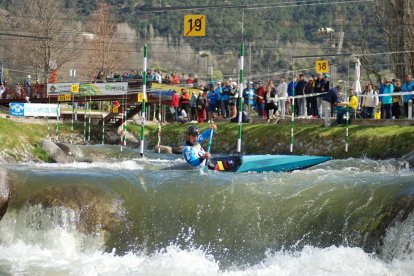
point(204, 168)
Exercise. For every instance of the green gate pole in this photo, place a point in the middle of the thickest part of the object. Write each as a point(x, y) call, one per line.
point(144, 98)
point(241, 80)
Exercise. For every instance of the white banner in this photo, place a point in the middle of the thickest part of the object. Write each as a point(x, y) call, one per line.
point(108, 88)
point(35, 110)
point(57, 88)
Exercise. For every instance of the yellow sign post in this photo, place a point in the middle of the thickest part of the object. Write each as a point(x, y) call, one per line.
point(194, 25)
point(74, 88)
point(322, 66)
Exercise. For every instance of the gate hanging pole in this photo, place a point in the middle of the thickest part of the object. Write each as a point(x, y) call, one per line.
point(144, 98)
point(241, 79)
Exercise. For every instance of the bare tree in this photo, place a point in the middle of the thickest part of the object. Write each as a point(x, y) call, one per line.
point(396, 19)
point(106, 51)
point(57, 27)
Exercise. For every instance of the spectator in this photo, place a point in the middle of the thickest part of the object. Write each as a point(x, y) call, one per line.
point(183, 118)
point(195, 81)
point(408, 86)
point(300, 91)
point(117, 77)
point(158, 77)
point(396, 100)
point(27, 85)
point(219, 93)
point(281, 90)
point(224, 101)
point(311, 107)
point(193, 105)
point(291, 90)
point(342, 110)
point(184, 100)
point(175, 102)
point(369, 102)
point(2, 90)
point(37, 90)
point(325, 87)
point(100, 77)
point(270, 100)
point(189, 81)
point(245, 117)
point(233, 96)
point(319, 87)
point(260, 102)
point(386, 101)
point(201, 104)
point(175, 79)
point(150, 75)
point(330, 99)
point(167, 79)
point(213, 99)
point(248, 94)
point(19, 91)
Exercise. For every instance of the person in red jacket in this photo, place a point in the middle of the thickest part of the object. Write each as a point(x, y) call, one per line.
point(175, 102)
point(184, 100)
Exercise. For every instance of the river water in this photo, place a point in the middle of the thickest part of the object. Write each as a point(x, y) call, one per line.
point(123, 215)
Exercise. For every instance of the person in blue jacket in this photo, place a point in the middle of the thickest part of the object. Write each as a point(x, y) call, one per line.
point(193, 152)
point(386, 101)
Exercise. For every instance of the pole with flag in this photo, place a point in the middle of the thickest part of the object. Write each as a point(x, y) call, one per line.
point(144, 98)
point(241, 80)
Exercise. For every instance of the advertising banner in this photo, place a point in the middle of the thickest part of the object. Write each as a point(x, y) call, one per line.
point(109, 88)
point(35, 110)
point(58, 88)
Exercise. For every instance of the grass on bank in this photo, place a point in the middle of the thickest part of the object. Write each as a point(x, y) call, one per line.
point(371, 141)
point(25, 137)
point(258, 138)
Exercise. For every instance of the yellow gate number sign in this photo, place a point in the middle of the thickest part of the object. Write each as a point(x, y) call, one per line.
point(64, 97)
point(140, 97)
point(74, 88)
point(194, 25)
point(322, 66)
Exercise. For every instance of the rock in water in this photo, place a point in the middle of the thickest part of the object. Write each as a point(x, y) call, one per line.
point(56, 153)
point(70, 149)
point(5, 191)
point(409, 158)
point(163, 149)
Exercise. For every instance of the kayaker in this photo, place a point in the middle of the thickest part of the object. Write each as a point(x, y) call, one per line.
point(193, 152)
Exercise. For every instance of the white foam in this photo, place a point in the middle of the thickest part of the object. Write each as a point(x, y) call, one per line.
point(122, 165)
point(59, 248)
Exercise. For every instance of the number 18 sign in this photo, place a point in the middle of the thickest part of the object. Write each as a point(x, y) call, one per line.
point(322, 66)
point(194, 25)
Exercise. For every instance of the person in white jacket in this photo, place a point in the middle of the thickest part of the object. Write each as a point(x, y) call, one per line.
point(369, 102)
point(281, 90)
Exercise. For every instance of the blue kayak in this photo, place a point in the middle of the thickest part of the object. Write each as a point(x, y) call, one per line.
point(265, 163)
point(258, 163)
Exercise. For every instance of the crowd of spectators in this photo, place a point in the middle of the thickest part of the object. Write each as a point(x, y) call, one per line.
point(315, 97)
point(25, 91)
point(152, 75)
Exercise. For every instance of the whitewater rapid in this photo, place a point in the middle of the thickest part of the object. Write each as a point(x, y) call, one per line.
point(47, 241)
